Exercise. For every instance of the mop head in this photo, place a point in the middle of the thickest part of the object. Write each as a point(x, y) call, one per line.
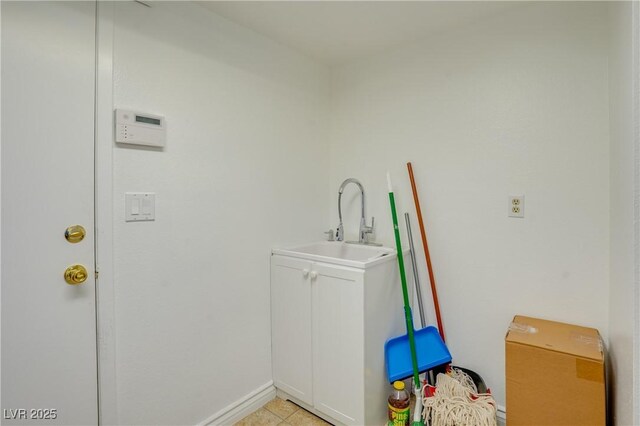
point(455, 401)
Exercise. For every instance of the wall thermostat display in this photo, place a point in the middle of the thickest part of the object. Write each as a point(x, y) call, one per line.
point(140, 128)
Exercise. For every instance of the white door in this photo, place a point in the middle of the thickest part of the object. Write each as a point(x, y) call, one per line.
point(338, 345)
point(49, 367)
point(291, 327)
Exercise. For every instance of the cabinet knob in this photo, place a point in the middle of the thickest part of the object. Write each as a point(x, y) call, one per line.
point(314, 275)
point(305, 273)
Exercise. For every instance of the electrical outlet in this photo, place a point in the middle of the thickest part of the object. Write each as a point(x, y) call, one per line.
point(516, 205)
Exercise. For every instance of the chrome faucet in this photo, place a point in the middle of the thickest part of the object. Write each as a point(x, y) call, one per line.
point(365, 230)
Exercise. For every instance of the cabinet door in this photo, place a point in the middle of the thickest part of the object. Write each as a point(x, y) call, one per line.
point(338, 346)
point(291, 326)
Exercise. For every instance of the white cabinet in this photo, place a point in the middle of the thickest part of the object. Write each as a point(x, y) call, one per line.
point(329, 326)
point(291, 330)
point(338, 342)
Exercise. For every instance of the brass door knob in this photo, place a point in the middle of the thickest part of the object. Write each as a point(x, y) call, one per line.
point(75, 274)
point(75, 233)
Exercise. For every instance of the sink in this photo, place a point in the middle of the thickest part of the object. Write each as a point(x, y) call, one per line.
point(339, 253)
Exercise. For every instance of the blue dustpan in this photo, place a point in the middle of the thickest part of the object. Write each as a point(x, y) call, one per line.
point(430, 349)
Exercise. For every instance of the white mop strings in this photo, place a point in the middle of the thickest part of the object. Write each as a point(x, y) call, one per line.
point(456, 402)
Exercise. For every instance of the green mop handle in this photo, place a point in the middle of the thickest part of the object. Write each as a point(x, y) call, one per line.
point(405, 294)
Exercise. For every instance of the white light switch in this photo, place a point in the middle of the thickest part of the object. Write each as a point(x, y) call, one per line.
point(135, 206)
point(146, 206)
point(139, 206)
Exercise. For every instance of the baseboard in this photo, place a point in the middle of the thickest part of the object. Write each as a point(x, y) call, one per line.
point(502, 416)
point(243, 406)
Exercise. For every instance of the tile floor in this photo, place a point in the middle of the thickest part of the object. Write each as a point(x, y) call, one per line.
point(280, 412)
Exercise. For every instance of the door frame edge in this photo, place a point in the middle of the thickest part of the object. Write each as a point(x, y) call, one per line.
point(635, 8)
point(105, 292)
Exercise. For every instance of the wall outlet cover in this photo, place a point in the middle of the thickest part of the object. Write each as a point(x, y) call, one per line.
point(516, 206)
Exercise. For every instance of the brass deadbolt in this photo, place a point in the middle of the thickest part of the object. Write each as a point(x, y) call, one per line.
point(75, 274)
point(75, 233)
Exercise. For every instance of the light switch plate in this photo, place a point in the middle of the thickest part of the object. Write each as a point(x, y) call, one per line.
point(139, 206)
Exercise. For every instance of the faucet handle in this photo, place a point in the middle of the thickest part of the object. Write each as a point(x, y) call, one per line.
point(329, 234)
point(366, 231)
point(369, 229)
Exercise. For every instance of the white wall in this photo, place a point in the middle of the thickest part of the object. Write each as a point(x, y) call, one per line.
point(245, 167)
point(516, 104)
point(512, 105)
point(623, 322)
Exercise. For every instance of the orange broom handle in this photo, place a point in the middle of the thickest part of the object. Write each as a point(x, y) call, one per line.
point(432, 279)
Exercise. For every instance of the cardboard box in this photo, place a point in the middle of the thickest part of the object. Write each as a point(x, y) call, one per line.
point(555, 374)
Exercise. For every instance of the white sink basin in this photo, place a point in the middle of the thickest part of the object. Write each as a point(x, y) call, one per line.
point(340, 253)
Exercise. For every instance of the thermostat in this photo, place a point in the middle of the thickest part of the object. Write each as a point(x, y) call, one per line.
point(140, 128)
